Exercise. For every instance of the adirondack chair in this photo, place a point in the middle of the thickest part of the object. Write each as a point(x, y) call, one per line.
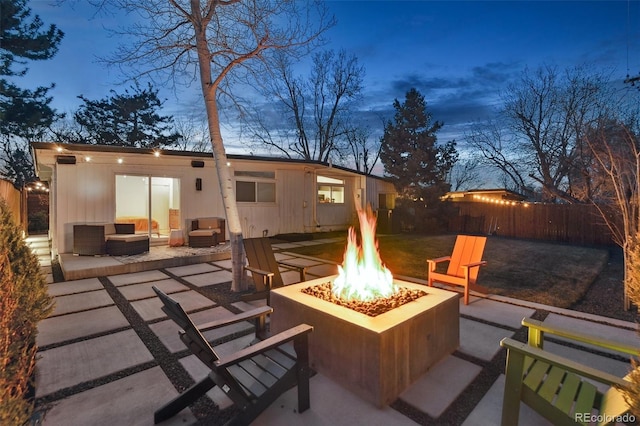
point(253, 377)
point(264, 268)
point(556, 387)
point(464, 264)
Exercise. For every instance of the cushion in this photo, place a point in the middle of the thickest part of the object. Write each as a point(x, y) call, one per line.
point(127, 237)
point(204, 232)
point(109, 228)
point(208, 223)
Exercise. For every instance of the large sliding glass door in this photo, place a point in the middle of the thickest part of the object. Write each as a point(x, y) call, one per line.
point(151, 202)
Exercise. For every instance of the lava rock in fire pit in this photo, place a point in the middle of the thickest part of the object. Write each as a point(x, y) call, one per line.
point(371, 308)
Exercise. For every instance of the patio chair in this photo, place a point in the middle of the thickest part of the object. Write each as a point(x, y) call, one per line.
point(253, 377)
point(464, 264)
point(264, 268)
point(560, 389)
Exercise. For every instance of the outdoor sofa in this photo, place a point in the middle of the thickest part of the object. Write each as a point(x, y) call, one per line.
point(115, 239)
point(207, 232)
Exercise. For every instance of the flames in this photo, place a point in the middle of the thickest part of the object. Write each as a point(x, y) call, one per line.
point(362, 275)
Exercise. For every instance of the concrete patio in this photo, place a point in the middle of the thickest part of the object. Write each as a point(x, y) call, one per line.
point(108, 355)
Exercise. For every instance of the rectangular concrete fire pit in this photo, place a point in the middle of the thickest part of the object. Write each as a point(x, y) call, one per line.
point(374, 357)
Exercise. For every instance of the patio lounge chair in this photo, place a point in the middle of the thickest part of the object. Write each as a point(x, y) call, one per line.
point(253, 377)
point(556, 387)
point(464, 264)
point(264, 268)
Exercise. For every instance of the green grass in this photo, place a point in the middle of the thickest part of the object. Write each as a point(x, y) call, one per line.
point(552, 274)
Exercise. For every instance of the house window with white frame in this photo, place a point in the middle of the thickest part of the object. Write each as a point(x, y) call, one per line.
point(330, 190)
point(255, 187)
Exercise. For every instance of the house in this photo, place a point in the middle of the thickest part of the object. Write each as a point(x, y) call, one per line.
point(483, 196)
point(166, 189)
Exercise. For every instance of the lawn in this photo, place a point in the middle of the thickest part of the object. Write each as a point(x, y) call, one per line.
point(552, 274)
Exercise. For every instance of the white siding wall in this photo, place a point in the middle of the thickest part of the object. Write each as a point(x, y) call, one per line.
point(85, 193)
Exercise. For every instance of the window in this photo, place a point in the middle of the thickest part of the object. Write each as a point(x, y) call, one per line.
point(151, 202)
point(330, 190)
point(255, 190)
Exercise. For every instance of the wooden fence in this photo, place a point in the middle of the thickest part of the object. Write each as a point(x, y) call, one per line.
point(14, 200)
point(569, 223)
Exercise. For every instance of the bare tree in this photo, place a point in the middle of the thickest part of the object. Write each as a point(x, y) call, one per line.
point(615, 150)
point(314, 111)
point(195, 133)
point(364, 149)
point(465, 173)
point(491, 142)
point(217, 41)
point(544, 114)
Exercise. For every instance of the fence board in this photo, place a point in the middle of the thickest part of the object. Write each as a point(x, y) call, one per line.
point(13, 198)
point(569, 223)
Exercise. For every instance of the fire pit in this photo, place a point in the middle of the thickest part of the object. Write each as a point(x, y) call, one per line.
point(376, 357)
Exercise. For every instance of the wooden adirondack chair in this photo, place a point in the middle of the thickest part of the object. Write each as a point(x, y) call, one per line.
point(557, 387)
point(264, 268)
point(464, 264)
point(253, 377)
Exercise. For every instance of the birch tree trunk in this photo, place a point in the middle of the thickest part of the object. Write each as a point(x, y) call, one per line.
point(209, 90)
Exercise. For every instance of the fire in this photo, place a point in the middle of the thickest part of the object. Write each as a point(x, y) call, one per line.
point(362, 275)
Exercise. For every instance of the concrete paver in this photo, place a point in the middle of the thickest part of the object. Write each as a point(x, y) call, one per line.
point(496, 312)
point(69, 365)
point(145, 290)
point(479, 339)
point(437, 389)
point(77, 286)
point(225, 264)
point(80, 324)
point(129, 401)
point(330, 405)
point(137, 277)
point(488, 412)
point(198, 268)
point(210, 278)
point(81, 302)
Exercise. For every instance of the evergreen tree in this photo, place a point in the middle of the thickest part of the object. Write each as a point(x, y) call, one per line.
point(128, 119)
point(410, 153)
point(24, 114)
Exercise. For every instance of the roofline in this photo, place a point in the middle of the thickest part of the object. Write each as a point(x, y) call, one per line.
point(52, 146)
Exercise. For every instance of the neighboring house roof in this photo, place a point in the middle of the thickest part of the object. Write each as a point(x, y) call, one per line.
point(483, 194)
point(68, 149)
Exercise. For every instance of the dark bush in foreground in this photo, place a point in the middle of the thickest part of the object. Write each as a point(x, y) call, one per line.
point(23, 303)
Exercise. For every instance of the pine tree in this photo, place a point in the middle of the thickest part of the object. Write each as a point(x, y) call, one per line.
point(129, 119)
point(410, 153)
point(24, 114)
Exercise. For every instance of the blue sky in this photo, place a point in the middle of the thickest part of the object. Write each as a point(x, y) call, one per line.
point(459, 54)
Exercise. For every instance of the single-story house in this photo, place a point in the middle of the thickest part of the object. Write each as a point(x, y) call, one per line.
point(484, 195)
point(167, 189)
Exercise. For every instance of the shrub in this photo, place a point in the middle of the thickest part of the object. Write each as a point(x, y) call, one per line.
point(632, 279)
point(23, 303)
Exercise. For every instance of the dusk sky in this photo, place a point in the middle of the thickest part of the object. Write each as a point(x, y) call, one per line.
point(460, 55)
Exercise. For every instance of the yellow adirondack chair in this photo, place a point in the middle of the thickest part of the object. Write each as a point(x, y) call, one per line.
point(464, 264)
point(556, 387)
